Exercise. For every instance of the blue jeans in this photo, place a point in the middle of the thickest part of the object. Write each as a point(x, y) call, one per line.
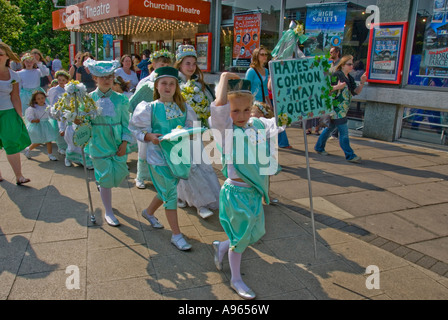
point(283, 140)
point(343, 140)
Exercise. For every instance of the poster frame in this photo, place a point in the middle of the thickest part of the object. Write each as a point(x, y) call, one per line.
point(72, 53)
point(119, 45)
point(401, 51)
point(208, 63)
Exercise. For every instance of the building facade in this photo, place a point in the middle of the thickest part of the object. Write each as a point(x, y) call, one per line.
point(406, 98)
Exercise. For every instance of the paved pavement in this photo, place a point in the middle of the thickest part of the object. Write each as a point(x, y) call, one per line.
point(389, 212)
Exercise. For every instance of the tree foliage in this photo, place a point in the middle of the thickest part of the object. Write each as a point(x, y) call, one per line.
point(38, 31)
point(11, 22)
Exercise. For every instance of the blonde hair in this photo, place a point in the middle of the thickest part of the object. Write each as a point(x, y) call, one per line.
point(241, 94)
point(343, 62)
point(11, 55)
point(177, 97)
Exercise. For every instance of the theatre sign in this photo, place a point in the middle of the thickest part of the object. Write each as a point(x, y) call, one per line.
point(74, 17)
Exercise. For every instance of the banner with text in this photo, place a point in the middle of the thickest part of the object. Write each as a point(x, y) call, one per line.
point(247, 28)
point(300, 89)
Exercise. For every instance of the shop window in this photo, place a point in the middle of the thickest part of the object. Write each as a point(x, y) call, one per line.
point(429, 60)
point(256, 25)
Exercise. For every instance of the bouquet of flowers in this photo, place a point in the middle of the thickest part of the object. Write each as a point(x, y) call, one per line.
point(75, 103)
point(197, 99)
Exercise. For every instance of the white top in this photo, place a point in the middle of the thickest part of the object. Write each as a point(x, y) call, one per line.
point(127, 77)
point(222, 128)
point(141, 121)
point(37, 112)
point(30, 79)
point(56, 65)
point(54, 94)
point(149, 79)
point(5, 90)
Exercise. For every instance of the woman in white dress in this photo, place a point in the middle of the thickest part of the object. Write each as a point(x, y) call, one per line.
point(202, 188)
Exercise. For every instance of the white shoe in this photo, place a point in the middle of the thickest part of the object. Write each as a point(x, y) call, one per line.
point(67, 163)
point(204, 212)
point(52, 157)
point(181, 243)
point(140, 184)
point(27, 153)
point(181, 203)
point(61, 151)
point(152, 220)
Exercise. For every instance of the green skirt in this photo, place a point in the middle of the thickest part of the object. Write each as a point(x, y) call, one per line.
point(241, 215)
point(13, 133)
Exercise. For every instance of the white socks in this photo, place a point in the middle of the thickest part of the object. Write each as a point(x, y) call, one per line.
point(106, 197)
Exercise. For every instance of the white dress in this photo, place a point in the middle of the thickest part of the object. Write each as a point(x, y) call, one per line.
point(202, 187)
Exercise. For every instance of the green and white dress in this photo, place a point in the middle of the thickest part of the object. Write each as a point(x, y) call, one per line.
point(159, 117)
point(109, 130)
point(247, 154)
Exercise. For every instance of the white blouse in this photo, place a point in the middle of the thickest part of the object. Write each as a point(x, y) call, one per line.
point(6, 89)
point(30, 79)
point(127, 77)
point(141, 121)
point(37, 112)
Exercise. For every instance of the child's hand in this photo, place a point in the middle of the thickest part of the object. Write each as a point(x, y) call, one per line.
point(221, 91)
point(35, 121)
point(77, 121)
point(122, 149)
point(153, 137)
point(62, 133)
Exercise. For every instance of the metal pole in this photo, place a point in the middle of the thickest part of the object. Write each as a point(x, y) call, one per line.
point(309, 186)
point(92, 215)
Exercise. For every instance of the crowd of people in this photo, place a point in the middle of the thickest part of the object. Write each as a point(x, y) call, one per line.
point(168, 93)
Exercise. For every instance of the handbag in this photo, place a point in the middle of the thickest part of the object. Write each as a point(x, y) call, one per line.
point(262, 86)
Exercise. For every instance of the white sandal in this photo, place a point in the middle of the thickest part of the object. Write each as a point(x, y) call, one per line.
point(181, 244)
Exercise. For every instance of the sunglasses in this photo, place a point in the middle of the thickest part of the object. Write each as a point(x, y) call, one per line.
point(2, 54)
point(349, 64)
point(263, 54)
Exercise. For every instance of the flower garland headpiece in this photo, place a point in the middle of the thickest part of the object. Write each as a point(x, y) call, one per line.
point(185, 51)
point(161, 53)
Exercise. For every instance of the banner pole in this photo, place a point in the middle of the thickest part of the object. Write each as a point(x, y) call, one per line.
point(309, 186)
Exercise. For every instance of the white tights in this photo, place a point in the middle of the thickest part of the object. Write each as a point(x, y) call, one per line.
point(106, 197)
point(234, 262)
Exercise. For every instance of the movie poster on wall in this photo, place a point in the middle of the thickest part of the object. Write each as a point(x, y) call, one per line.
point(324, 25)
point(247, 28)
point(435, 44)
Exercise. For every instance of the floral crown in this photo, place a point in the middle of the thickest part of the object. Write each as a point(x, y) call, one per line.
point(62, 73)
point(185, 51)
point(161, 53)
point(27, 56)
point(261, 107)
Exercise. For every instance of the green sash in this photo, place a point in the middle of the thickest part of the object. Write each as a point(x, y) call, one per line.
point(251, 157)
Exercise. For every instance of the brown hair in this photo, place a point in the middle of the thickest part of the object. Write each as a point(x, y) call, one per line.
point(127, 56)
point(33, 97)
point(343, 62)
point(124, 85)
point(197, 72)
point(255, 63)
point(41, 57)
point(11, 55)
point(177, 97)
